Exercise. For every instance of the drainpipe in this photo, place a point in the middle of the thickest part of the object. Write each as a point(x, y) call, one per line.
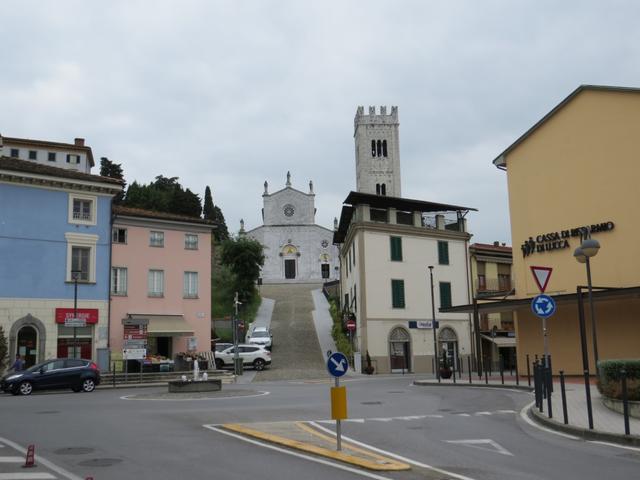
point(112, 217)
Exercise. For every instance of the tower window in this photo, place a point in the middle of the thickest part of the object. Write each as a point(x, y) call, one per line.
point(373, 148)
point(377, 189)
point(379, 148)
point(384, 148)
point(383, 189)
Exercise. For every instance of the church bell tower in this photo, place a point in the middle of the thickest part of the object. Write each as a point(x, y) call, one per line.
point(377, 151)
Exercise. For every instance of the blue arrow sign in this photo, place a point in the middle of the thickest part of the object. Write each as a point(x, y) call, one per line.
point(337, 364)
point(543, 306)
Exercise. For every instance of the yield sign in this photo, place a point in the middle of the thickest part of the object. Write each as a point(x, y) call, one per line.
point(541, 275)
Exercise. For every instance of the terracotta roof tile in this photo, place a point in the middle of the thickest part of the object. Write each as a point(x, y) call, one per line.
point(16, 165)
point(140, 212)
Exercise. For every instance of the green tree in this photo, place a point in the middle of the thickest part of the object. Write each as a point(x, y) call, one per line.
point(244, 257)
point(165, 194)
point(214, 213)
point(113, 170)
point(208, 204)
point(4, 350)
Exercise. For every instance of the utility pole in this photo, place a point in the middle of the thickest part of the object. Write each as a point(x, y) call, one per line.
point(236, 356)
point(436, 363)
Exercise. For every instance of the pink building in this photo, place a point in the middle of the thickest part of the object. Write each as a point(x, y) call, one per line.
point(160, 283)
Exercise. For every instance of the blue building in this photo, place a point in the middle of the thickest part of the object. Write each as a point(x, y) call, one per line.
point(54, 238)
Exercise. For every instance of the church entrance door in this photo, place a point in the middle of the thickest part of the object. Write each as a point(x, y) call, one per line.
point(290, 268)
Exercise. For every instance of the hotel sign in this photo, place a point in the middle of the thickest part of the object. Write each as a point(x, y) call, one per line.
point(559, 240)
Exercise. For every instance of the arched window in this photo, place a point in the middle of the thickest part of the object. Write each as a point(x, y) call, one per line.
point(373, 148)
point(384, 148)
point(379, 148)
point(377, 189)
point(383, 189)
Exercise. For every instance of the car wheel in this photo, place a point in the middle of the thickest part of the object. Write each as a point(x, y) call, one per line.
point(25, 388)
point(88, 385)
point(258, 364)
point(219, 364)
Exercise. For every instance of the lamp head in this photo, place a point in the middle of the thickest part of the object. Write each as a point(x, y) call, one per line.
point(579, 255)
point(590, 247)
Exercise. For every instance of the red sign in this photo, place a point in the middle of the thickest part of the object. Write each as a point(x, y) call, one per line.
point(89, 315)
point(541, 275)
point(135, 332)
point(351, 325)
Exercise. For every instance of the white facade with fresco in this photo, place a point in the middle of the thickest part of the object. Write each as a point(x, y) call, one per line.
point(296, 249)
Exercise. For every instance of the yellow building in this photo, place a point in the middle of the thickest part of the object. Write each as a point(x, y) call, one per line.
point(576, 174)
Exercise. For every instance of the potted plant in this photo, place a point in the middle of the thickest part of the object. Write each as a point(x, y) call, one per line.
point(445, 368)
point(368, 369)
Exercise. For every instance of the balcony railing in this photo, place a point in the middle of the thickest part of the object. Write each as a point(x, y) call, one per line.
point(493, 285)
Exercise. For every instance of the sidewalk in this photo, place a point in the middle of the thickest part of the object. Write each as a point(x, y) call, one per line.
point(263, 315)
point(608, 425)
point(323, 323)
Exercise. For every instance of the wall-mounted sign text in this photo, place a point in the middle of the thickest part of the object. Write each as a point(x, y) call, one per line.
point(559, 240)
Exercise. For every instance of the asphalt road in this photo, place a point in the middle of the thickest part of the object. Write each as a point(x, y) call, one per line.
point(476, 433)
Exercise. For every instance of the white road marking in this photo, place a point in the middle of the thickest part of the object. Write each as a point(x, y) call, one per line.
point(382, 419)
point(129, 397)
point(299, 455)
point(495, 447)
point(525, 417)
point(352, 420)
point(482, 413)
point(608, 444)
point(11, 459)
point(434, 416)
point(463, 414)
point(39, 460)
point(26, 476)
point(506, 411)
point(393, 455)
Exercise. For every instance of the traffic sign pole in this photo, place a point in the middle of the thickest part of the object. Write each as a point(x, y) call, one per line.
point(338, 425)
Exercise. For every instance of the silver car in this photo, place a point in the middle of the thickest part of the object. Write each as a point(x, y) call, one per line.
point(260, 336)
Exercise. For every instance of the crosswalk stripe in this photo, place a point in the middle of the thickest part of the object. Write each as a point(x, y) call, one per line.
point(26, 476)
point(11, 459)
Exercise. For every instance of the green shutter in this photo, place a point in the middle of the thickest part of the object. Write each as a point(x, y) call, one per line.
point(445, 294)
point(397, 293)
point(443, 253)
point(396, 248)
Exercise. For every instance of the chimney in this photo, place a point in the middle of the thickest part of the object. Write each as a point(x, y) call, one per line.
point(79, 142)
point(496, 244)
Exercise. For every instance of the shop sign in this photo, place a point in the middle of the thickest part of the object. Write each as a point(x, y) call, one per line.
point(425, 324)
point(134, 353)
point(88, 315)
point(560, 240)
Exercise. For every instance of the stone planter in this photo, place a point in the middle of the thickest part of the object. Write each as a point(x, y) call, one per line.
point(178, 386)
point(616, 405)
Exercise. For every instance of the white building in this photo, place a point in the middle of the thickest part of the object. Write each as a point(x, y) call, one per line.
point(73, 156)
point(387, 244)
point(296, 249)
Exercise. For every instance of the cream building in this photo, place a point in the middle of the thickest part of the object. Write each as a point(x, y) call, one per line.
point(386, 245)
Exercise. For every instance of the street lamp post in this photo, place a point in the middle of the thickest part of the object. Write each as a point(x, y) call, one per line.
point(74, 275)
point(436, 366)
point(582, 254)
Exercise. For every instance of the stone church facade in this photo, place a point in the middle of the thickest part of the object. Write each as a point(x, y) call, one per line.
point(296, 249)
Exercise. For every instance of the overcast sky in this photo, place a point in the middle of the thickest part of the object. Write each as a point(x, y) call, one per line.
point(232, 93)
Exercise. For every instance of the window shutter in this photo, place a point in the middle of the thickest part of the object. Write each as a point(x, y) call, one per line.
point(397, 293)
point(445, 294)
point(443, 253)
point(396, 248)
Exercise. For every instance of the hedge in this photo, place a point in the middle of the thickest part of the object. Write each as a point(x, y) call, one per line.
point(609, 381)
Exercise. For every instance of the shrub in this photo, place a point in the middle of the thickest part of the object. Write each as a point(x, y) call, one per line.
point(609, 381)
point(337, 331)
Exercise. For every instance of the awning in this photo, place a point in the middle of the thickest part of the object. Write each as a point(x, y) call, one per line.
point(501, 342)
point(166, 325)
point(601, 295)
